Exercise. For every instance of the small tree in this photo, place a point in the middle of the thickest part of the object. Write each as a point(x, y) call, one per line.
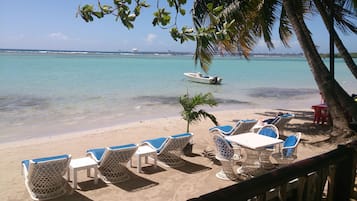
point(190, 112)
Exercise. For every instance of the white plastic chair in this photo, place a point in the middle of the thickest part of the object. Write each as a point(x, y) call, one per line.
point(272, 131)
point(288, 152)
point(225, 155)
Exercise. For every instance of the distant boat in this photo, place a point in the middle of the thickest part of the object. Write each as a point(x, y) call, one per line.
point(205, 79)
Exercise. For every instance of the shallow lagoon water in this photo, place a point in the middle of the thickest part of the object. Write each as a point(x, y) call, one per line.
point(45, 93)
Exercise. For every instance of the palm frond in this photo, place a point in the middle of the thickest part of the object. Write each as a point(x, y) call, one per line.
point(265, 20)
point(190, 104)
point(345, 17)
point(285, 29)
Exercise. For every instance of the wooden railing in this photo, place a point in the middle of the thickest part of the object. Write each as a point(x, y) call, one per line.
point(330, 176)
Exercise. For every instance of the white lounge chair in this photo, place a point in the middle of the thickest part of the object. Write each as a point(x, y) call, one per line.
point(280, 121)
point(112, 161)
point(169, 149)
point(242, 126)
point(44, 176)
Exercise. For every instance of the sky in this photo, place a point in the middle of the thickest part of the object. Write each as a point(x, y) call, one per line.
point(53, 25)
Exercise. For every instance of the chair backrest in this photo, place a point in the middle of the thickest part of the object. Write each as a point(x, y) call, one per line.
point(224, 148)
point(290, 144)
point(46, 171)
point(243, 126)
point(282, 120)
point(269, 130)
point(157, 143)
point(118, 154)
point(176, 142)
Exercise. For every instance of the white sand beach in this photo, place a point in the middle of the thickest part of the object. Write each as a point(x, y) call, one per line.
point(154, 184)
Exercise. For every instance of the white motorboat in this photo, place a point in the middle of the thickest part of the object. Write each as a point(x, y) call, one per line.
point(206, 79)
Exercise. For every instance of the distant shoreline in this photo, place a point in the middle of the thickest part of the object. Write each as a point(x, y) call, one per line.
point(178, 53)
point(169, 52)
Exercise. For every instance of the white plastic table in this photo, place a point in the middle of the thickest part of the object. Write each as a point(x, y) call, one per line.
point(253, 140)
point(254, 143)
point(144, 151)
point(80, 164)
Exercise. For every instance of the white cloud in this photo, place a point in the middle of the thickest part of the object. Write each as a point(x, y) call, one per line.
point(58, 36)
point(150, 38)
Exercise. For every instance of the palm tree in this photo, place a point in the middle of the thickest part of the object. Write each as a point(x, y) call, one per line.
point(190, 112)
point(341, 17)
point(254, 19)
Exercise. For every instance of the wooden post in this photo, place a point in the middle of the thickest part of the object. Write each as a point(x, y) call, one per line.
point(343, 181)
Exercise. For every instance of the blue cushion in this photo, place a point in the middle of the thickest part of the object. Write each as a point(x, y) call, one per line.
point(157, 143)
point(181, 135)
point(97, 153)
point(249, 120)
point(226, 129)
point(268, 132)
point(122, 146)
point(37, 160)
point(286, 115)
point(289, 141)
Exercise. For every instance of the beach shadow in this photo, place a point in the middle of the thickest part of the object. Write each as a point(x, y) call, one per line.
point(72, 196)
point(302, 115)
point(192, 168)
point(192, 155)
point(210, 154)
point(136, 183)
point(319, 132)
point(89, 185)
point(307, 128)
point(152, 169)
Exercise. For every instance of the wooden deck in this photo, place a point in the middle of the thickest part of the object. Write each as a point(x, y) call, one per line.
point(330, 176)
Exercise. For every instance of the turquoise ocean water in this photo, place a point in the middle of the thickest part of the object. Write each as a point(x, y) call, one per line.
point(46, 93)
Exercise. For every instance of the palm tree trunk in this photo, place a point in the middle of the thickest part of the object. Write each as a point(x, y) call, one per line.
point(339, 45)
point(327, 85)
point(349, 105)
point(188, 127)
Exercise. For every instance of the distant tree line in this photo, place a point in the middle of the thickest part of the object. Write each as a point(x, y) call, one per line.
point(353, 55)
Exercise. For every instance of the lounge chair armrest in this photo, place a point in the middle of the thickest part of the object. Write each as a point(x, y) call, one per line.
point(289, 147)
point(24, 171)
point(96, 154)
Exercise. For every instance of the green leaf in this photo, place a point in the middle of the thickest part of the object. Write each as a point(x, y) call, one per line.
point(137, 10)
point(171, 3)
point(98, 14)
point(182, 11)
point(155, 21)
point(144, 4)
point(217, 10)
point(106, 9)
point(131, 17)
